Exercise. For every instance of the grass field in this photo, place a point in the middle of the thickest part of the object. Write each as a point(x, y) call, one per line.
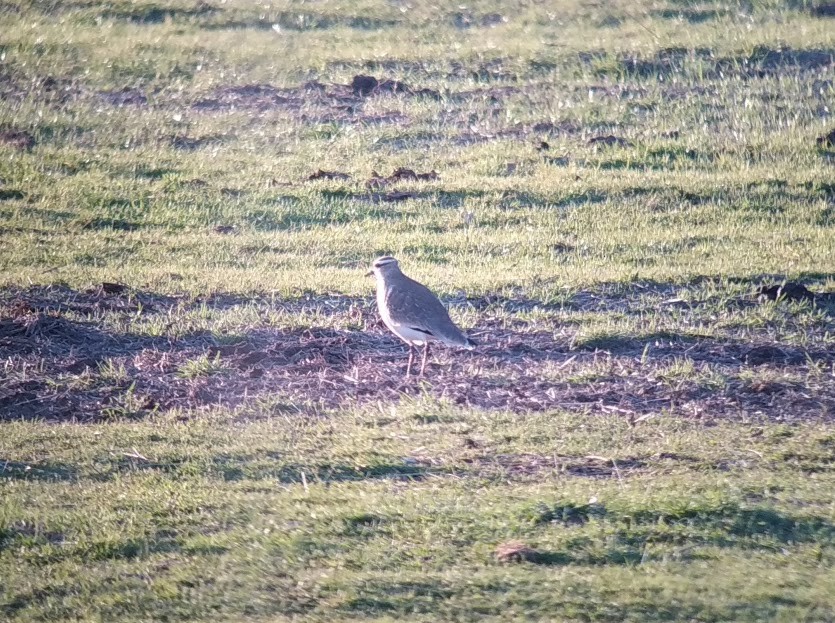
point(202, 417)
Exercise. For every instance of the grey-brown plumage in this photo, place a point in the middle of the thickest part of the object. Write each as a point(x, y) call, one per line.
point(412, 312)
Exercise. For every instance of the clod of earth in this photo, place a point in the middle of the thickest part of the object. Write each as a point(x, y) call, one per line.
point(321, 174)
point(789, 291)
point(516, 551)
point(402, 173)
point(363, 86)
point(224, 229)
point(609, 141)
point(408, 174)
point(108, 287)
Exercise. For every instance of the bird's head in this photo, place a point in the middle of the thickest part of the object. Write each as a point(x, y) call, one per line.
point(383, 266)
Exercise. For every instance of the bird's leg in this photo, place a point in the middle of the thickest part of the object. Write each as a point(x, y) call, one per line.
point(425, 355)
point(411, 358)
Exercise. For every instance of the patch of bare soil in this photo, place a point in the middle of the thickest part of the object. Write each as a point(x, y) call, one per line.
point(62, 363)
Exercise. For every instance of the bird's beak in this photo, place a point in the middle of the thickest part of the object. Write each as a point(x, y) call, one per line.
point(370, 273)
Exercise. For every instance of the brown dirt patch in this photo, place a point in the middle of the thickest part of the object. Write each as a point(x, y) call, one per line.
point(61, 359)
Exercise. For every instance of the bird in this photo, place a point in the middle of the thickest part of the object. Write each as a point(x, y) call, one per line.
point(412, 312)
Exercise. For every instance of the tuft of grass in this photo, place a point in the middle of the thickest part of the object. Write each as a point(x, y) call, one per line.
point(204, 365)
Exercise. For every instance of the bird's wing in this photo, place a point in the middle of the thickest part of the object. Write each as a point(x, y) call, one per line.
point(419, 309)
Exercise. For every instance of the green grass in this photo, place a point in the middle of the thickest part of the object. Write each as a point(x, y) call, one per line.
point(385, 511)
point(228, 437)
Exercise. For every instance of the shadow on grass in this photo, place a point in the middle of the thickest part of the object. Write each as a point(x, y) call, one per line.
point(729, 524)
point(230, 469)
point(339, 209)
point(763, 61)
point(377, 597)
point(50, 472)
point(691, 15)
point(155, 14)
point(240, 469)
point(620, 343)
point(302, 21)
